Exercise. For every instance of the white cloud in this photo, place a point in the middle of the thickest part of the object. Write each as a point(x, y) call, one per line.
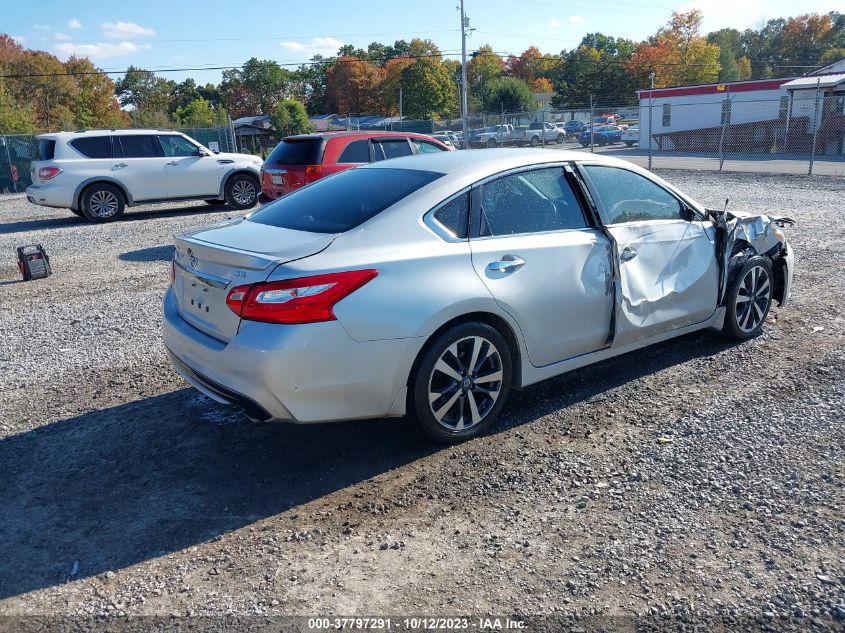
point(125, 30)
point(553, 23)
point(62, 36)
point(577, 19)
point(724, 13)
point(102, 50)
point(74, 24)
point(20, 39)
point(325, 46)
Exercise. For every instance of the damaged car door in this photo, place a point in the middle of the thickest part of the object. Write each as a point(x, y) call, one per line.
point(668, 273)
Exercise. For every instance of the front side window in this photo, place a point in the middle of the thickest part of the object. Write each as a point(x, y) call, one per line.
point(454, 216)
point(530, 202)
point(343, 201)
point(426, 147)
point(139, 146)
point(93, 146)
point(626, 196)
point(175, 145)
point(356, 152)
point(392, 149)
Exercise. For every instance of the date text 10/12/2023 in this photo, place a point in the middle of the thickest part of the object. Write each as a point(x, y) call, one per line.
point(415, 624)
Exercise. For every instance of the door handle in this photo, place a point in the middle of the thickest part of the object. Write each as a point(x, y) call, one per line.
point(172, 163)
point(628, 254)
point(120, 165)
point(507, 264)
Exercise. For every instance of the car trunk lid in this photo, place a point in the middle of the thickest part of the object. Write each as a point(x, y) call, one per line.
point(210, 262)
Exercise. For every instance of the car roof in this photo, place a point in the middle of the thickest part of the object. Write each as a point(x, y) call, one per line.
point(489, 161)
point(356, 133)
point(120, 131)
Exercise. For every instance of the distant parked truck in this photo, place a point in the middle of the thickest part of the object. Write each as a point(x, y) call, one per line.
point(536, 132)
point(496, 135)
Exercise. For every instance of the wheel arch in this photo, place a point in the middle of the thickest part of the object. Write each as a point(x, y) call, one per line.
point(90, 182)
point(237, 171)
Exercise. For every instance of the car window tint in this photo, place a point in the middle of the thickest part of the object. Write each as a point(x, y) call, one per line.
point(629, 197)
point(530, 202)
point(392, 149)
point(175, 145)
point(297, 151)
point(139, 146)
point(342, 201)
point(426, 147)
point(454, 215)
point(46, 149)
point(356, 152)
point(93, 146)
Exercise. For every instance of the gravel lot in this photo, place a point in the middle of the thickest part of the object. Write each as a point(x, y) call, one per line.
point(696, 479)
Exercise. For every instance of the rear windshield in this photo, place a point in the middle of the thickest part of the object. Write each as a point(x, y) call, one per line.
point(298, 151)
point(341, 202)
point(46, 149)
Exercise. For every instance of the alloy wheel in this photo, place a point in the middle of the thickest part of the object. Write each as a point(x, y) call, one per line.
point(103, 204)
point(465, 383)
point(752, 298)
point(243, 192)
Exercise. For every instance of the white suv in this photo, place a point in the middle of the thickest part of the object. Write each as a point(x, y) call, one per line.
point(98, 173)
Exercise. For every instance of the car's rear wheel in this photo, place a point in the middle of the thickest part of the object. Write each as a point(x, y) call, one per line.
point(749, 298)
point(560, 139)
point(242, 191)
point(102, 202)
point(461, 382)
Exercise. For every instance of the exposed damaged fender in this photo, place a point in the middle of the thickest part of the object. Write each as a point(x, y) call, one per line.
point(738, 234)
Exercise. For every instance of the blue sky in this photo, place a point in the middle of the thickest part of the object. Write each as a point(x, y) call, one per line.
point(170, 34)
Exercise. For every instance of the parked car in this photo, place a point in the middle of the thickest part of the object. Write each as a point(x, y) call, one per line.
point(98, 173)
point(496, 135)
point(604, 135)
point(538, 132)
point(448, 140)
point(631, 135)
point(435, 284)
point(574, 127)
point(302, 159)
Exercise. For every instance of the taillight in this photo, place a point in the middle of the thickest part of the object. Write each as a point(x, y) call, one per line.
point(46, 173)
point(313, 172)
point(293, 301)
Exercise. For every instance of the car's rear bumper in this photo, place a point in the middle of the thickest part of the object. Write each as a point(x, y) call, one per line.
point(299, 373)
point(50, 195)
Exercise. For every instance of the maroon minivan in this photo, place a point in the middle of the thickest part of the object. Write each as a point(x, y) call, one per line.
point(299, 160)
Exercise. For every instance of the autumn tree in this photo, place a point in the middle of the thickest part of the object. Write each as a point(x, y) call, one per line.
point(351, 86)
point(15, 118)
point(391, 81)
point(428, 88)
point(678, 54)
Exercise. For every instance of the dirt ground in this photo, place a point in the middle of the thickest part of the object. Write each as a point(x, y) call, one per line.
point(698, 479)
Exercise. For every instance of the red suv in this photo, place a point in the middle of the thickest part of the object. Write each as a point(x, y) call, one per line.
point(301, 159)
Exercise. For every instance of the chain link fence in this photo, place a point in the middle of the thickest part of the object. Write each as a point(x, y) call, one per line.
point(802, 132)
point(18, 151)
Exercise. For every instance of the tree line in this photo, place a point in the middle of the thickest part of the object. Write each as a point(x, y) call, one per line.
point(40, 92)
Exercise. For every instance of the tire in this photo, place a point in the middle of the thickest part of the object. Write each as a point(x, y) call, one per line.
point(466, 408)
point(491, 142)
point(629, 143)
point(749, 298)
point(242, 191)
point(102, 202)
point(560, 139)
point(535, 141)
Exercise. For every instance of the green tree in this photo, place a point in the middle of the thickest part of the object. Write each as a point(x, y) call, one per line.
point(428, 89)
point(140, 88)
point(729, 43)
point(596, 67)
point(290, 118)
point(509, 95)
point(200, 113)
point(256, 87)
point(15, 119)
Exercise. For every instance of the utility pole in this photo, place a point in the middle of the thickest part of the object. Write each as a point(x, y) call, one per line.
point(592, 127)
point(400, 109)
point(464, 108)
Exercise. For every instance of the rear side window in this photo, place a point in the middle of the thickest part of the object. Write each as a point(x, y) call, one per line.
point(139, 146)
point(392, 149)
point(297, 151)
point(454, 215)
point(93, 146)
point(356, 152)
point(46, 149)
point(343, 201)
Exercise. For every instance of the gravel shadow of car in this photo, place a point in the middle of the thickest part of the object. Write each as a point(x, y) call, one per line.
point(73, 221)
point(115, 487)
point(151, 254)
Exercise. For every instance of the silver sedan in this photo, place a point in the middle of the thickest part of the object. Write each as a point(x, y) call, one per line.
point(433, 285)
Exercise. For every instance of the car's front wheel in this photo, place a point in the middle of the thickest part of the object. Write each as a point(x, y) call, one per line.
point(749, 298)
point(461, 382)
point(102, 202)
point(242, 191)
point(560, 139)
